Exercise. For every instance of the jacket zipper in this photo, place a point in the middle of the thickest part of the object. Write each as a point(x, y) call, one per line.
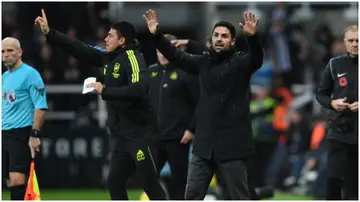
point(160, 92)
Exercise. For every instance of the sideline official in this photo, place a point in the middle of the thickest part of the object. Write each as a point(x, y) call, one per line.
point(23, 111)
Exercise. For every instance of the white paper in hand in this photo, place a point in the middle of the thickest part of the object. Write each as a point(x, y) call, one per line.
point(86, 82)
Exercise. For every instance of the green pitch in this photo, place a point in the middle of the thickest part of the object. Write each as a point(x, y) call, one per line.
point(102, 194)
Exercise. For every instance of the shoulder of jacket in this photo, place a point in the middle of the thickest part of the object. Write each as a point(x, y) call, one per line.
point(332, 63)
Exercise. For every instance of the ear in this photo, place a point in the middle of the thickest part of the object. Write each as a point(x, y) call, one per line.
point(233, 42)
point(20, 52)
point(122, 41)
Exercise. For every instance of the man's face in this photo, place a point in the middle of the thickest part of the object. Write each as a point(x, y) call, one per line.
point(10, 53)
point(161, 58)
point(351, 42)
point(113, 41)
point(221, 39)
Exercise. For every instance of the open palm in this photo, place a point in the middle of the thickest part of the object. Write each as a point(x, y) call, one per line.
point(250, 23)
point(152, 21)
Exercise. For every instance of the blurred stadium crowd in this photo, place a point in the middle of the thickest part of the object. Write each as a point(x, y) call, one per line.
point(288, 125)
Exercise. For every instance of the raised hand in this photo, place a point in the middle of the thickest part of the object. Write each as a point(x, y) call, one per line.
point(152, 21)
point(250, 23)
point(42, 21)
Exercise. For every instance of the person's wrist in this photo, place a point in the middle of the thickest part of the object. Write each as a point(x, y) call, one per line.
point(35, 133)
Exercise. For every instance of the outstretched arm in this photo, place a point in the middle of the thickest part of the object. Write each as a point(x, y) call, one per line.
point(75, 48)
point(183, 60)
point(254, 57)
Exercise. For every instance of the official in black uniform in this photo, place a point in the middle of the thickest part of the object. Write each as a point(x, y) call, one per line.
point(223, 138)
point(132, 120)
point(174, 94)
point(338, 92)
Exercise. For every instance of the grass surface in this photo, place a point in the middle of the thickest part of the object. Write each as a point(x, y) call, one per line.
point(102, 194)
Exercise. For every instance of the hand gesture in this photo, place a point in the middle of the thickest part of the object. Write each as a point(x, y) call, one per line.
point(34, 144)
point(250, 23)
point(180, 42)
point(187, 137)
point(340, 104)
point(152, 21)
point(42, 21)
point(98, 87)
point(354, 106)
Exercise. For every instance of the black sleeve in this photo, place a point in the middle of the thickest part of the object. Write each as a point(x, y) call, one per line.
point(193, 89)
point(253, 59)
point(181, 59)
point(137, 77)
point(76, 48)
point(325, 88)
point(196, 47)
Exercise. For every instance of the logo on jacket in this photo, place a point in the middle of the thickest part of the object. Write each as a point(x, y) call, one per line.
point(342, 81)
point(41, 90)
point(116, 70)
point(154, 74)
point(12, 96)
point(173, 76)
point(140, 156)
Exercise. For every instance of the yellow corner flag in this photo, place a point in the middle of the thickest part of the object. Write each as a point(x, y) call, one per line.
point(32, 189)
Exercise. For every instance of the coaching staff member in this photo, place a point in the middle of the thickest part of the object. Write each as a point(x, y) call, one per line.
point(338, 91)
point(223, 137)
point(132, 120)
point(23, 111)
point(174, 93)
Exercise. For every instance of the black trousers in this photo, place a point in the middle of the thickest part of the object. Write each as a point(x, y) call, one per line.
point(201, 171)
point(342, 182)
point(133, 156)
point(250, 164)
point(177, 155)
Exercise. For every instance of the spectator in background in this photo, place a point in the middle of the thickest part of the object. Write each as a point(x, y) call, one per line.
point(298, 137)
point(324, 39)
point(337, 48)
point(265, 75)
point(282, 47)
point(265, 137)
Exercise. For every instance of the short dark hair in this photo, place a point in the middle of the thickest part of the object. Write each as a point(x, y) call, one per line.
point(126, 30)
point(228, 25)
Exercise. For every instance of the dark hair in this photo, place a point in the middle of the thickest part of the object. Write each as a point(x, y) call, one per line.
point(228, 25)
point(126, 30)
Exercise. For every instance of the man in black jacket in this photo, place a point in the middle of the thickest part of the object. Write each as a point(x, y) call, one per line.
point(338, 92)
point(223, 137)
point(132, 120)
point(174, 94)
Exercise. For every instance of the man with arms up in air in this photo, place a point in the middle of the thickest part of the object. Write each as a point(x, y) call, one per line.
point(223, 139)
point(23, 111)
point(132, 120)
point(174, 94)
point(338, 92)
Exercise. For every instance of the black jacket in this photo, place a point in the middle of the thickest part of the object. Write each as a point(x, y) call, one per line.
point(174, 94)
point(340, 79)
point(130, 113)
point(223, 125)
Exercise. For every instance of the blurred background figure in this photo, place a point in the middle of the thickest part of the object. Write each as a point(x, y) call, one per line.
point(288, 124)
